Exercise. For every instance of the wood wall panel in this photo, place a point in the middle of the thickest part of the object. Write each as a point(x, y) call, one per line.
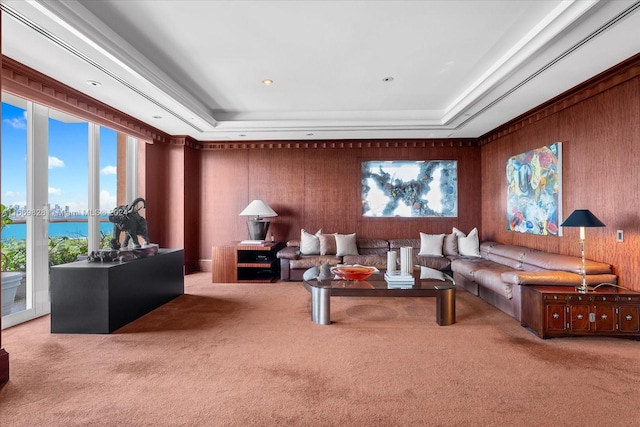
point(316, 188)
point(274, 178)
point(223, 195)
point(191, 191)
point(601, 151)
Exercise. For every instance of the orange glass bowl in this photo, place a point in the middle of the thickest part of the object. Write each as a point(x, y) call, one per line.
point(353, 272)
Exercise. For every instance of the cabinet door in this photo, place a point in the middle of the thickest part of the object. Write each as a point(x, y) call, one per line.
point(605, 319)
point(556, 317)
point(629, 318)
point(579, 316)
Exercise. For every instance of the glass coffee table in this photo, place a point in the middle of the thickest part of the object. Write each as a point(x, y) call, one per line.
point(323, 285)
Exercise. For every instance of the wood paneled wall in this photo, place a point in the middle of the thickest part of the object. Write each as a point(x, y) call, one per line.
point(314, 188)
point(600, 134)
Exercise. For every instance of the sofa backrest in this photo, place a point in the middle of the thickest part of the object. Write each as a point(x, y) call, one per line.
point(522, 258)
point(372, 246)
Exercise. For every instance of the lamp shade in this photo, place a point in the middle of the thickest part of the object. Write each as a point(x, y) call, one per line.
point(258, 208)
point(582, 218)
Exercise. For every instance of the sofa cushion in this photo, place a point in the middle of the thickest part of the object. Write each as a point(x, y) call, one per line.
point(450, 245)
point(313, 261)
point(564, 262)
point(431, 244)
point(468, 245)
point(310, 243)
point(346, 244)
point(327, 244)
point(435, 262)
point(378, 261)
point(492, 279)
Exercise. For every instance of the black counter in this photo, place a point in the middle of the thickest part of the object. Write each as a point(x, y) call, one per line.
point(98, 298)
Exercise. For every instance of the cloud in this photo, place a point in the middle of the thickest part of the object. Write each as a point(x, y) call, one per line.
point(16, 123)
point(107, 201)
point(109, 170)
point(53, 190)
point(55, 162)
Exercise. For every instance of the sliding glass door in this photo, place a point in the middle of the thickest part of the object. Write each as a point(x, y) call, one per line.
point(59, 183)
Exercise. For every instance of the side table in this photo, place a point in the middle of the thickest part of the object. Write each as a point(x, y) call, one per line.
point(560, 311)
point(245, 263)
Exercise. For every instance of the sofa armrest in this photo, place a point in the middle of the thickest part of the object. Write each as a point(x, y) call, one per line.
point(554, 277)
point(290, 252)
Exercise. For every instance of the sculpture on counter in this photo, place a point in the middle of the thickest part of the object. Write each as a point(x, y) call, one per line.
point(126, 219)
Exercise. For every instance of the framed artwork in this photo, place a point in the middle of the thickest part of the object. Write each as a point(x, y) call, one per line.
point(405, 188)
point(534, 191)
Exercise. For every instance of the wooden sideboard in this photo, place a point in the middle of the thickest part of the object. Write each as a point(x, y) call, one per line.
point(559, 311)
point(235, 263)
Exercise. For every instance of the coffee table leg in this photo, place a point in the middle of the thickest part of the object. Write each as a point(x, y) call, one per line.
point(320, 308)
point(446, 307)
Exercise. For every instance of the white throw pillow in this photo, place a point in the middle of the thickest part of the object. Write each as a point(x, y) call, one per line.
point(310, 243)
point(346, 244)
point(468, 245)
point(431, 244)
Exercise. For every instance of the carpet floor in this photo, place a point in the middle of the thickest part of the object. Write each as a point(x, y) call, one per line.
point(249, 355)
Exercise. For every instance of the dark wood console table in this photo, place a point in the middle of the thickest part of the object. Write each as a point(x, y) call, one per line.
point(560, 311)
point(98, 298)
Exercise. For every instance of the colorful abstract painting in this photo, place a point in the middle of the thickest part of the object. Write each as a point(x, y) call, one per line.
point(534, 191)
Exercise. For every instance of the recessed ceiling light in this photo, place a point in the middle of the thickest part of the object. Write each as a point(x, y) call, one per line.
point(156, 117)
point(93, 83)
point(267, 82)
point(387, 79)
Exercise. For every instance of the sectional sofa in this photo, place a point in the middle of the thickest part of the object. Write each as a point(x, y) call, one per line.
point(493, 271)
point(294, 260)
point(498, 274)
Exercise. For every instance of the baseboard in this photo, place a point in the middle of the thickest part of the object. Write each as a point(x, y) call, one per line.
point(4, 366)
point(204, 264)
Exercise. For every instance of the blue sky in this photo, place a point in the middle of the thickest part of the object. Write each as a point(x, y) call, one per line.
point(68, 162)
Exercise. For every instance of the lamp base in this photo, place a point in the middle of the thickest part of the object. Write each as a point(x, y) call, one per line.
point(258, 229)
point(584, 289)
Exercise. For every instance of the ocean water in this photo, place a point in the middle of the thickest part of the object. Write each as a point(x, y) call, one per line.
point(56, 229)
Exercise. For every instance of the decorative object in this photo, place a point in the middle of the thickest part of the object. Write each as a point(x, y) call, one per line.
point(126, 219)
point(346, 244)
point(431, 244)
point(353, 272)
point(406, 260)
point(310, 243)
point(410, 188)
point(397, 280)
point(534, 191)
point(582, 218)
point(258, 226)
point(391, 261)
point(468, 244)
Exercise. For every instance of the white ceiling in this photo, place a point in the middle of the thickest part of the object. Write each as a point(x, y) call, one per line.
point(459, 68)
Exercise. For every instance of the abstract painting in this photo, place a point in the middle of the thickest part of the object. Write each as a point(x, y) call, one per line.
point(405, 188)
point(534, 191)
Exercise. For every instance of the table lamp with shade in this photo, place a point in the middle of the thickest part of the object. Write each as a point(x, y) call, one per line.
point(258, 226)
point(582, 218)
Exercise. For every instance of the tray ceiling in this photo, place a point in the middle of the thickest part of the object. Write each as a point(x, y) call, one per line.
point(339, 70)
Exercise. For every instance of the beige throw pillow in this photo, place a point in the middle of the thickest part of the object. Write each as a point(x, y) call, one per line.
point(450, 245)
point(431, 244)
point(346, 244)
point(309, 243)
point(468, 245)
point(327, 244)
